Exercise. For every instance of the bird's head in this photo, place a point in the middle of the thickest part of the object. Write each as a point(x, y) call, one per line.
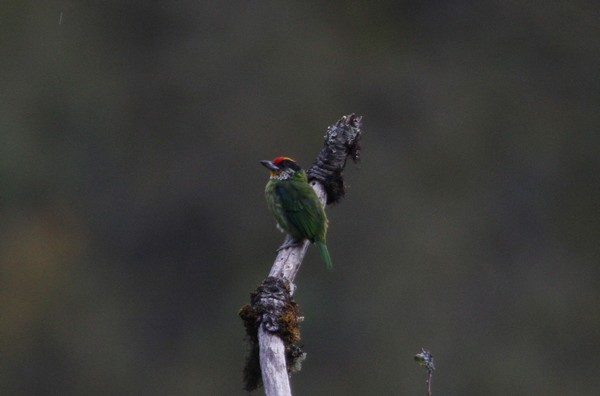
point(281, 167)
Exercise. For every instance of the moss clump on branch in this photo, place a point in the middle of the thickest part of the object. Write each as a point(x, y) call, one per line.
point(273, 307)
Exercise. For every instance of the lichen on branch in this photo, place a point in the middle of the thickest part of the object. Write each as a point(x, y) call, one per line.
point(342, 140)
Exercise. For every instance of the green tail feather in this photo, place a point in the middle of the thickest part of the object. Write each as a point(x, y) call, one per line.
point(325, 254)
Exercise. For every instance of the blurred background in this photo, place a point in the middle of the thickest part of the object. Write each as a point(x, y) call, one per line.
point(132, 217)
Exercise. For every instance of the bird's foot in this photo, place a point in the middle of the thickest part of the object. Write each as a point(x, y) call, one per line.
point(289, 244)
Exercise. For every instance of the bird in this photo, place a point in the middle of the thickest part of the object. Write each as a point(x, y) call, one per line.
point(295, 205)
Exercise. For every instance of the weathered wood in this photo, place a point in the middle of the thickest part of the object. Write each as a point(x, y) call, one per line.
point(325, 177)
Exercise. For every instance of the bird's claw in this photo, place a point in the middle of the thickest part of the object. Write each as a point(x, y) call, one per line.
point(286, 245)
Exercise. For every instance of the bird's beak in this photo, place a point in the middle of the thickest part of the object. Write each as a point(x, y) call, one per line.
point(269, 165)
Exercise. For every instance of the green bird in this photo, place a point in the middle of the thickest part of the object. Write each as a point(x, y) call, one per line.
point(295, 205)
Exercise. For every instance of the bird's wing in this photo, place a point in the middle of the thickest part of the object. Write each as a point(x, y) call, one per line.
point(302, 209)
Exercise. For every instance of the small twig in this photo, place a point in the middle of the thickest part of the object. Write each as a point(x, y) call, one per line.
point(428, 383)
point(425, 359)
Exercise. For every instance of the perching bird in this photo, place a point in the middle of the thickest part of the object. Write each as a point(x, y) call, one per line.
point(295, 205)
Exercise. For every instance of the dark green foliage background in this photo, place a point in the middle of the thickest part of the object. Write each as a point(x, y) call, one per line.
point(133, 224)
